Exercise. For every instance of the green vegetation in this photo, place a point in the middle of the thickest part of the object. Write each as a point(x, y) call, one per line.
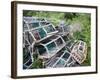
point(85, 34)
point(37, 64)
point(70, 18)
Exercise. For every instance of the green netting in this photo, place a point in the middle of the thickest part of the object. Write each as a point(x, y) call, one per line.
point(41, 50)
point(66, 56)
point(61, 62)
point(42, 33)
point(34, 25)
point(51, 46)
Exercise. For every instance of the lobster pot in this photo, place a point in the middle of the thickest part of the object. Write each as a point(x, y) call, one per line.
point(50, 47)
point(62, 59)
point(27, 58)
point(27, 52)
point(79, 51)
point(40, 29)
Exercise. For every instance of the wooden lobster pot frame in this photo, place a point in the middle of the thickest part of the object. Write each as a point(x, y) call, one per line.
point(79, 51)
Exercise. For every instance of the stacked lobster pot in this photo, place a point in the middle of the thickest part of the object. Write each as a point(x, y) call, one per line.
point(42, 38)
